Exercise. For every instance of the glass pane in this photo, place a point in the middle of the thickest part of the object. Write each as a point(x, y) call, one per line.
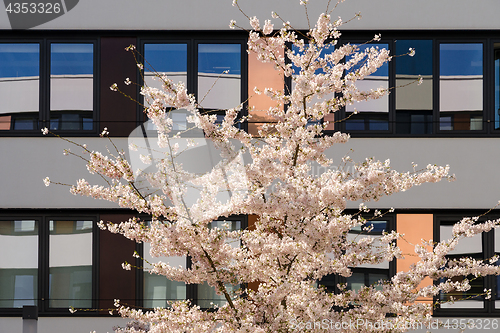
point(71, 86)
point(219, 76)
point(374, 278)
point(378, 228)
point(461, 86)
point(356, 281)
point(229, 226)
point(19, 264)
point(413, 101)
point(328, 281)
point(496, 291)
point(497, 84)
point(465, 299)
point(468, 245)
point(359, 232)
point(165, 59)
point(325, 51)
point(19, 86)
point(207, 296)
point(497, 278)
point(158, 290)
point(70, 277)
point(373, 114)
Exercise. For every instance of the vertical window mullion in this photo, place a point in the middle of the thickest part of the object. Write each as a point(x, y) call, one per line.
point(139, 275)
point(392, 94)
point(95, 264)
point(45, 84)
point(43, 262)
point(192, 67)
point(244, 84)
point(435, 88)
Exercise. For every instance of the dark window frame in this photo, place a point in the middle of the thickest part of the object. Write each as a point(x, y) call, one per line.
point(487, 47)
point(44, 41)
point(391, 118)
point(191, 289)
point(488, 246)
point(331, 281)
point(193, 40)
point(43, 262)
point(486, 37)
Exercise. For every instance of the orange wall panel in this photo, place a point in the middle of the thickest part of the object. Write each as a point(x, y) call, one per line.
point(261, 75)
point(415, 227)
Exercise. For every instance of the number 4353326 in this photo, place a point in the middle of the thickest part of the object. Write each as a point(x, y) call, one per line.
point(33, 8)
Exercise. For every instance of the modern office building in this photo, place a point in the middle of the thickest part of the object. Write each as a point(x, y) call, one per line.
point(57, 74)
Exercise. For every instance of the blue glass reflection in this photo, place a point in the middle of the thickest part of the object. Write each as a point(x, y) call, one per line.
point(19, 60)
point(165, 57)
point(378, 227)
point(461, 59)
point(217, 58)
point(71, 59)
point(383, 70)
point(19, 80)
point(355, 125)
point(378, 125)
point(420, 63)
point(327, 50)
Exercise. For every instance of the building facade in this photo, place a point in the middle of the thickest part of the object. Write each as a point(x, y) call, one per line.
point(57, 74)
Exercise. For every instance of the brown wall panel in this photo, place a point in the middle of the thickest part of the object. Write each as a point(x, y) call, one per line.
point(117, 112)
point(114, 281)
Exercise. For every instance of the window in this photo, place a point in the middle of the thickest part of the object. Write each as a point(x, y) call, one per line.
point(460, 86)
point(480, 247)
point(47, 84)
point(325, 51)
point(19, 269)
point(366, 274)
point(369, 275)
point(496, 52)
point(373, 114)
point(414, 103)
point(71, 86)
point(458, 95)
point(157, 290)
point(50, 263)
point(213, 71)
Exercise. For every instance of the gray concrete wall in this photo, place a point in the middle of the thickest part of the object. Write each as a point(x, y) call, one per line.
point(26, 161)
point(216, 14)
point(63, 324)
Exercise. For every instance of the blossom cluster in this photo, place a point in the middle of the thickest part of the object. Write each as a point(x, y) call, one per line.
point(301, 233)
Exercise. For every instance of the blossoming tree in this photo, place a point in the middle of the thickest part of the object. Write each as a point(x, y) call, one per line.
point(301, 230)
